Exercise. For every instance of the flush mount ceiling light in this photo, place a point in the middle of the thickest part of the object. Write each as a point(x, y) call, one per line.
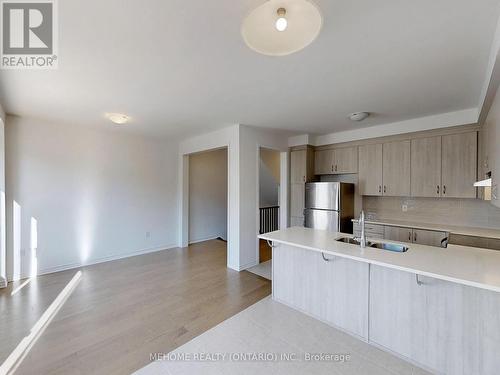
point(282, 27)
point(359, 116)
point(118, 118)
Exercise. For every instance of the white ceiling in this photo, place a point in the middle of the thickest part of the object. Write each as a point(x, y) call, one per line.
point(180, 67)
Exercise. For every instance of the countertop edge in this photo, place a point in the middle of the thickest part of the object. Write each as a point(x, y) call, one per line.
point(389, 265)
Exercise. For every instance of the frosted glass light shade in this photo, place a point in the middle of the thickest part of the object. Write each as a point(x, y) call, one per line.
point(304, 23)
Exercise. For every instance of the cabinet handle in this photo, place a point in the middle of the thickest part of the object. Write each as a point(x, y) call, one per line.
point(444, 189)
point(438, 190)
point(379, 189)
point(335, 167)
point(409, 236)
point(419, 283)
point(385, 189)
point(414, 237)
point(326, 259)
point(304, 177)
point(332, 167)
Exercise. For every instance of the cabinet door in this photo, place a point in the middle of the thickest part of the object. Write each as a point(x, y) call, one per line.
point(398, 234)
point(323, 162)
point(297, 195)
point(370, 169)
point(428, 237)
point(396, 171)
point(459, 165)
point(426, 167)
point(423, 323)
point(334, 292)
point(298, 166)
point(345, 160)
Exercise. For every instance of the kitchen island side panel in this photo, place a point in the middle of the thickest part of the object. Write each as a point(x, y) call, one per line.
point(334, 291)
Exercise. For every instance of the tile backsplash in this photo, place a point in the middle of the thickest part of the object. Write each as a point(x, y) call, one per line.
point(461, 212)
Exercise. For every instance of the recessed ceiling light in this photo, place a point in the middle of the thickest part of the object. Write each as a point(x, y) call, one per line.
point(282, 27)
point(359, 116)
point(118, 118)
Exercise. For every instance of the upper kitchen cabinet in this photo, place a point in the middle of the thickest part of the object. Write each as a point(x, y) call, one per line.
point(345, 160)
point(301, 165)
point(323, 162)
point(459, 165)
point(396, 169)
point(426, 167)
point(338, 161)
point(370, 169)
point(440, 166)
point(385, 169)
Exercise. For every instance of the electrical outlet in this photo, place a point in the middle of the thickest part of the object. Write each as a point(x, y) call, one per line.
point(404, 207)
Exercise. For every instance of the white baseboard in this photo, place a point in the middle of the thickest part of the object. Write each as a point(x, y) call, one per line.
point(110, 258)
point(248, 265)
point(203, 240)
point(3, 282)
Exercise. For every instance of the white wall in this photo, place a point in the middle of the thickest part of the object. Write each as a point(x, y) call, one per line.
point(243, 143)
point(2, 113)
point(491, 137)
point(229, 138)
point(208, 195)
point(94, 195)
point(269, 178)
point(251, 140)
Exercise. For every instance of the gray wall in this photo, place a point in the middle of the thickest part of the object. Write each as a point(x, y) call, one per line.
point(208, 195)
point(269, 177)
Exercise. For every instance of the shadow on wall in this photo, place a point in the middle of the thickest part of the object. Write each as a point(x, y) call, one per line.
point(269, 178)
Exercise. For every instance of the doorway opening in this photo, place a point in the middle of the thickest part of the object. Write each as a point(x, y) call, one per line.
point(269, 205)
point(208, 198)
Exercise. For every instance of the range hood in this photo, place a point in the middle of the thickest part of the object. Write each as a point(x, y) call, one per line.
point(486, 184)
point(483, 183)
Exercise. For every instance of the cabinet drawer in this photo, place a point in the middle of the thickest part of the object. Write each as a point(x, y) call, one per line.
point(473, 241)
point(370, 228)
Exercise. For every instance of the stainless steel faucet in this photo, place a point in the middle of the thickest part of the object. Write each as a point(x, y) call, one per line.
point(361, 222)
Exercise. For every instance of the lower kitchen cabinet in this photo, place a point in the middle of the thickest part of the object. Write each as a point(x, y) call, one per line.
point(373, 231)
point(333, 291)
point(447, 327)
point(429, 237)
point(398, 234)
point(418, 236)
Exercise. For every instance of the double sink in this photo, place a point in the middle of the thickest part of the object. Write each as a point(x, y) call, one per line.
point(398, 248)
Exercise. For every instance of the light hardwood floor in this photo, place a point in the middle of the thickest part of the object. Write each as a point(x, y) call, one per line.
point(124, 310)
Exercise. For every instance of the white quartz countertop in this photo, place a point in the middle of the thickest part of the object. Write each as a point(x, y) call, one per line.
point(455, 229)
point(460, 264)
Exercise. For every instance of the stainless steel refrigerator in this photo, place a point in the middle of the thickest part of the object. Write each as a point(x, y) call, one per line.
point(329, 206)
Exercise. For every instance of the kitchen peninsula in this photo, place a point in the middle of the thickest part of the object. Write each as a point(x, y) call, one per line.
point(436, 307)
